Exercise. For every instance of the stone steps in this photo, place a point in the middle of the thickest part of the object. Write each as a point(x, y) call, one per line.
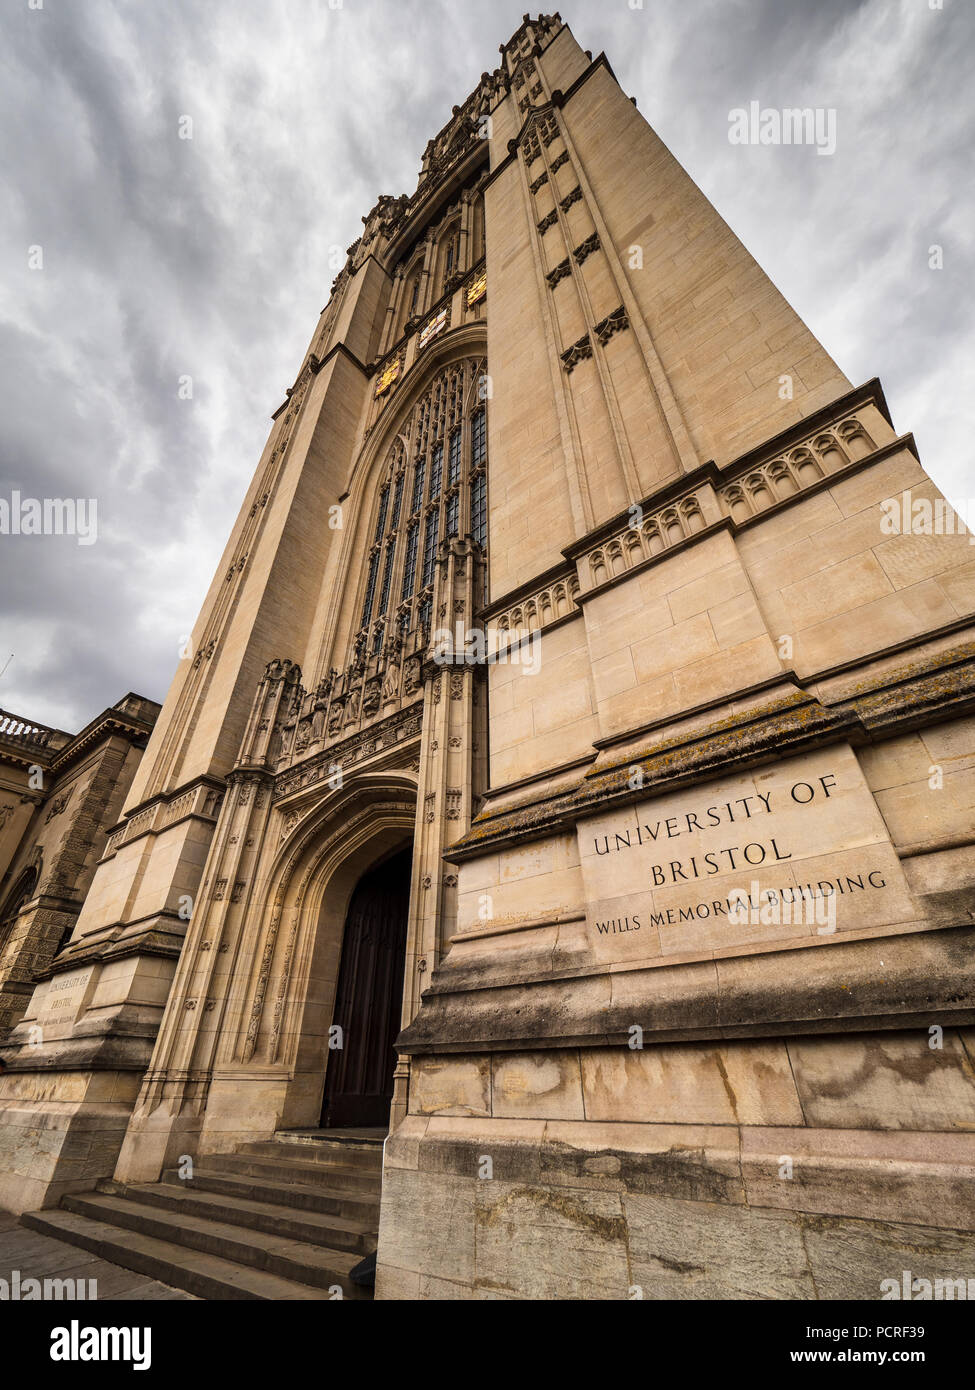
point(275, 1169)
point(334, 1231)
point(284, 1218)
point(207, 1276)
point(364, 1154)
point(356, 1206)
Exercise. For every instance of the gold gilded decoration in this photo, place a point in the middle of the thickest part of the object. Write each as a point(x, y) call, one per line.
point(477, 290)
point(435, 326)
point(388, 375)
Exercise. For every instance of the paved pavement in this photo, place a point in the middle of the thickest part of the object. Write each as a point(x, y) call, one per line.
point(41, 1257)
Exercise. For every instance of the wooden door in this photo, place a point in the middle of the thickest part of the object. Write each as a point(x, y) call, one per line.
point(369, 998)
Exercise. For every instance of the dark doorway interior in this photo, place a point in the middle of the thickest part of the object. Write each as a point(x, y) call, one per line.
point(369, 998)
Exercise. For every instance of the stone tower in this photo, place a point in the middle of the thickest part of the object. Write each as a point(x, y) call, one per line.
point(565, 573)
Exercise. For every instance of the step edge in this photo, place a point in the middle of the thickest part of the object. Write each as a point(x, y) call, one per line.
point(176, 1258)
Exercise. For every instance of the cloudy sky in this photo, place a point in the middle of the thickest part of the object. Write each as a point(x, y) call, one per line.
point(164, 258)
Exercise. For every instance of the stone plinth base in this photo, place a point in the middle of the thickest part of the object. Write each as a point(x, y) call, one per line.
point(817, 1180)
point(60, 1133)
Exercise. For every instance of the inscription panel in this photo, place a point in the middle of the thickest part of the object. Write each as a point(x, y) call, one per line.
point(794, 851)
point(62, 1000)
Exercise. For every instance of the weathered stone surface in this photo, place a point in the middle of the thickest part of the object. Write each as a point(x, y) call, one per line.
point(427, 1224)
point(890, 1081)
point(926, 1178)
point(851, 1259)
point(696, 1083)
point(451, 1086)
point(694, 1250)
point(540, 1085)
point(537, 1242)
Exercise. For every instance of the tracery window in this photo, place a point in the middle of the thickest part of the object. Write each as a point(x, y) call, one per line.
point(449, 253)
point(436, 470)
point(430, 538)
point(409, 568)
point(418, 476)
point(478, 439)
point(453, 458)
point(381, 518)
point(18, 898)
point(370, 588)
point(435, 487)
point(478, 472)
point(479, 510)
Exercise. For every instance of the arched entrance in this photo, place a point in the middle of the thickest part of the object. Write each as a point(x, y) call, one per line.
point(369, 998)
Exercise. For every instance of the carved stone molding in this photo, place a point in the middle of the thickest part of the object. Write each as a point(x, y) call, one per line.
point(585, 249)
point(549, 604)
point(398, 730)
point(758, 487)
point(613, 323)
point(924, 691)
point(576, 353)
point(754, 488)
point(649, 535)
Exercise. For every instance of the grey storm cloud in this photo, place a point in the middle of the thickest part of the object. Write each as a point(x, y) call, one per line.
point(210, 257)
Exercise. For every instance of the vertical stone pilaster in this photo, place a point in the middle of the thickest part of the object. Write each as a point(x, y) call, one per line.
point(169, 1111)
point(449, 756)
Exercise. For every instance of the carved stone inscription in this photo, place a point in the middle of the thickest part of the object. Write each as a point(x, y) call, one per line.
point(62, 999)
point(795, 852)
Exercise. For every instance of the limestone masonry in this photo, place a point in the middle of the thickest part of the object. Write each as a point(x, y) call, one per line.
point(573, 772)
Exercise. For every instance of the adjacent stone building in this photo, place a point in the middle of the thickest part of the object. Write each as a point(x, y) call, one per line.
point(569, 710)
point(59, 795)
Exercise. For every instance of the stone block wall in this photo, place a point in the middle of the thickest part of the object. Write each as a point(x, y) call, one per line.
point(803, 1168)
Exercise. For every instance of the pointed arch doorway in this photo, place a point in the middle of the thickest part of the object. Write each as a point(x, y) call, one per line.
point(369, 998)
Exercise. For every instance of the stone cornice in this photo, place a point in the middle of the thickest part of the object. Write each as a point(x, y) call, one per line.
point(314, 365)
point(931, 689)
point(111, 722)
point(59, 758)
point(927, 977)
point(523, 591)
point(163, 810)
point(675, 488)
point(869, 393)
point(159, 934)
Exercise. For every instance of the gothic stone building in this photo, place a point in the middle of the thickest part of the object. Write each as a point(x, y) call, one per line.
point(58, 793)
point(639, 907)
